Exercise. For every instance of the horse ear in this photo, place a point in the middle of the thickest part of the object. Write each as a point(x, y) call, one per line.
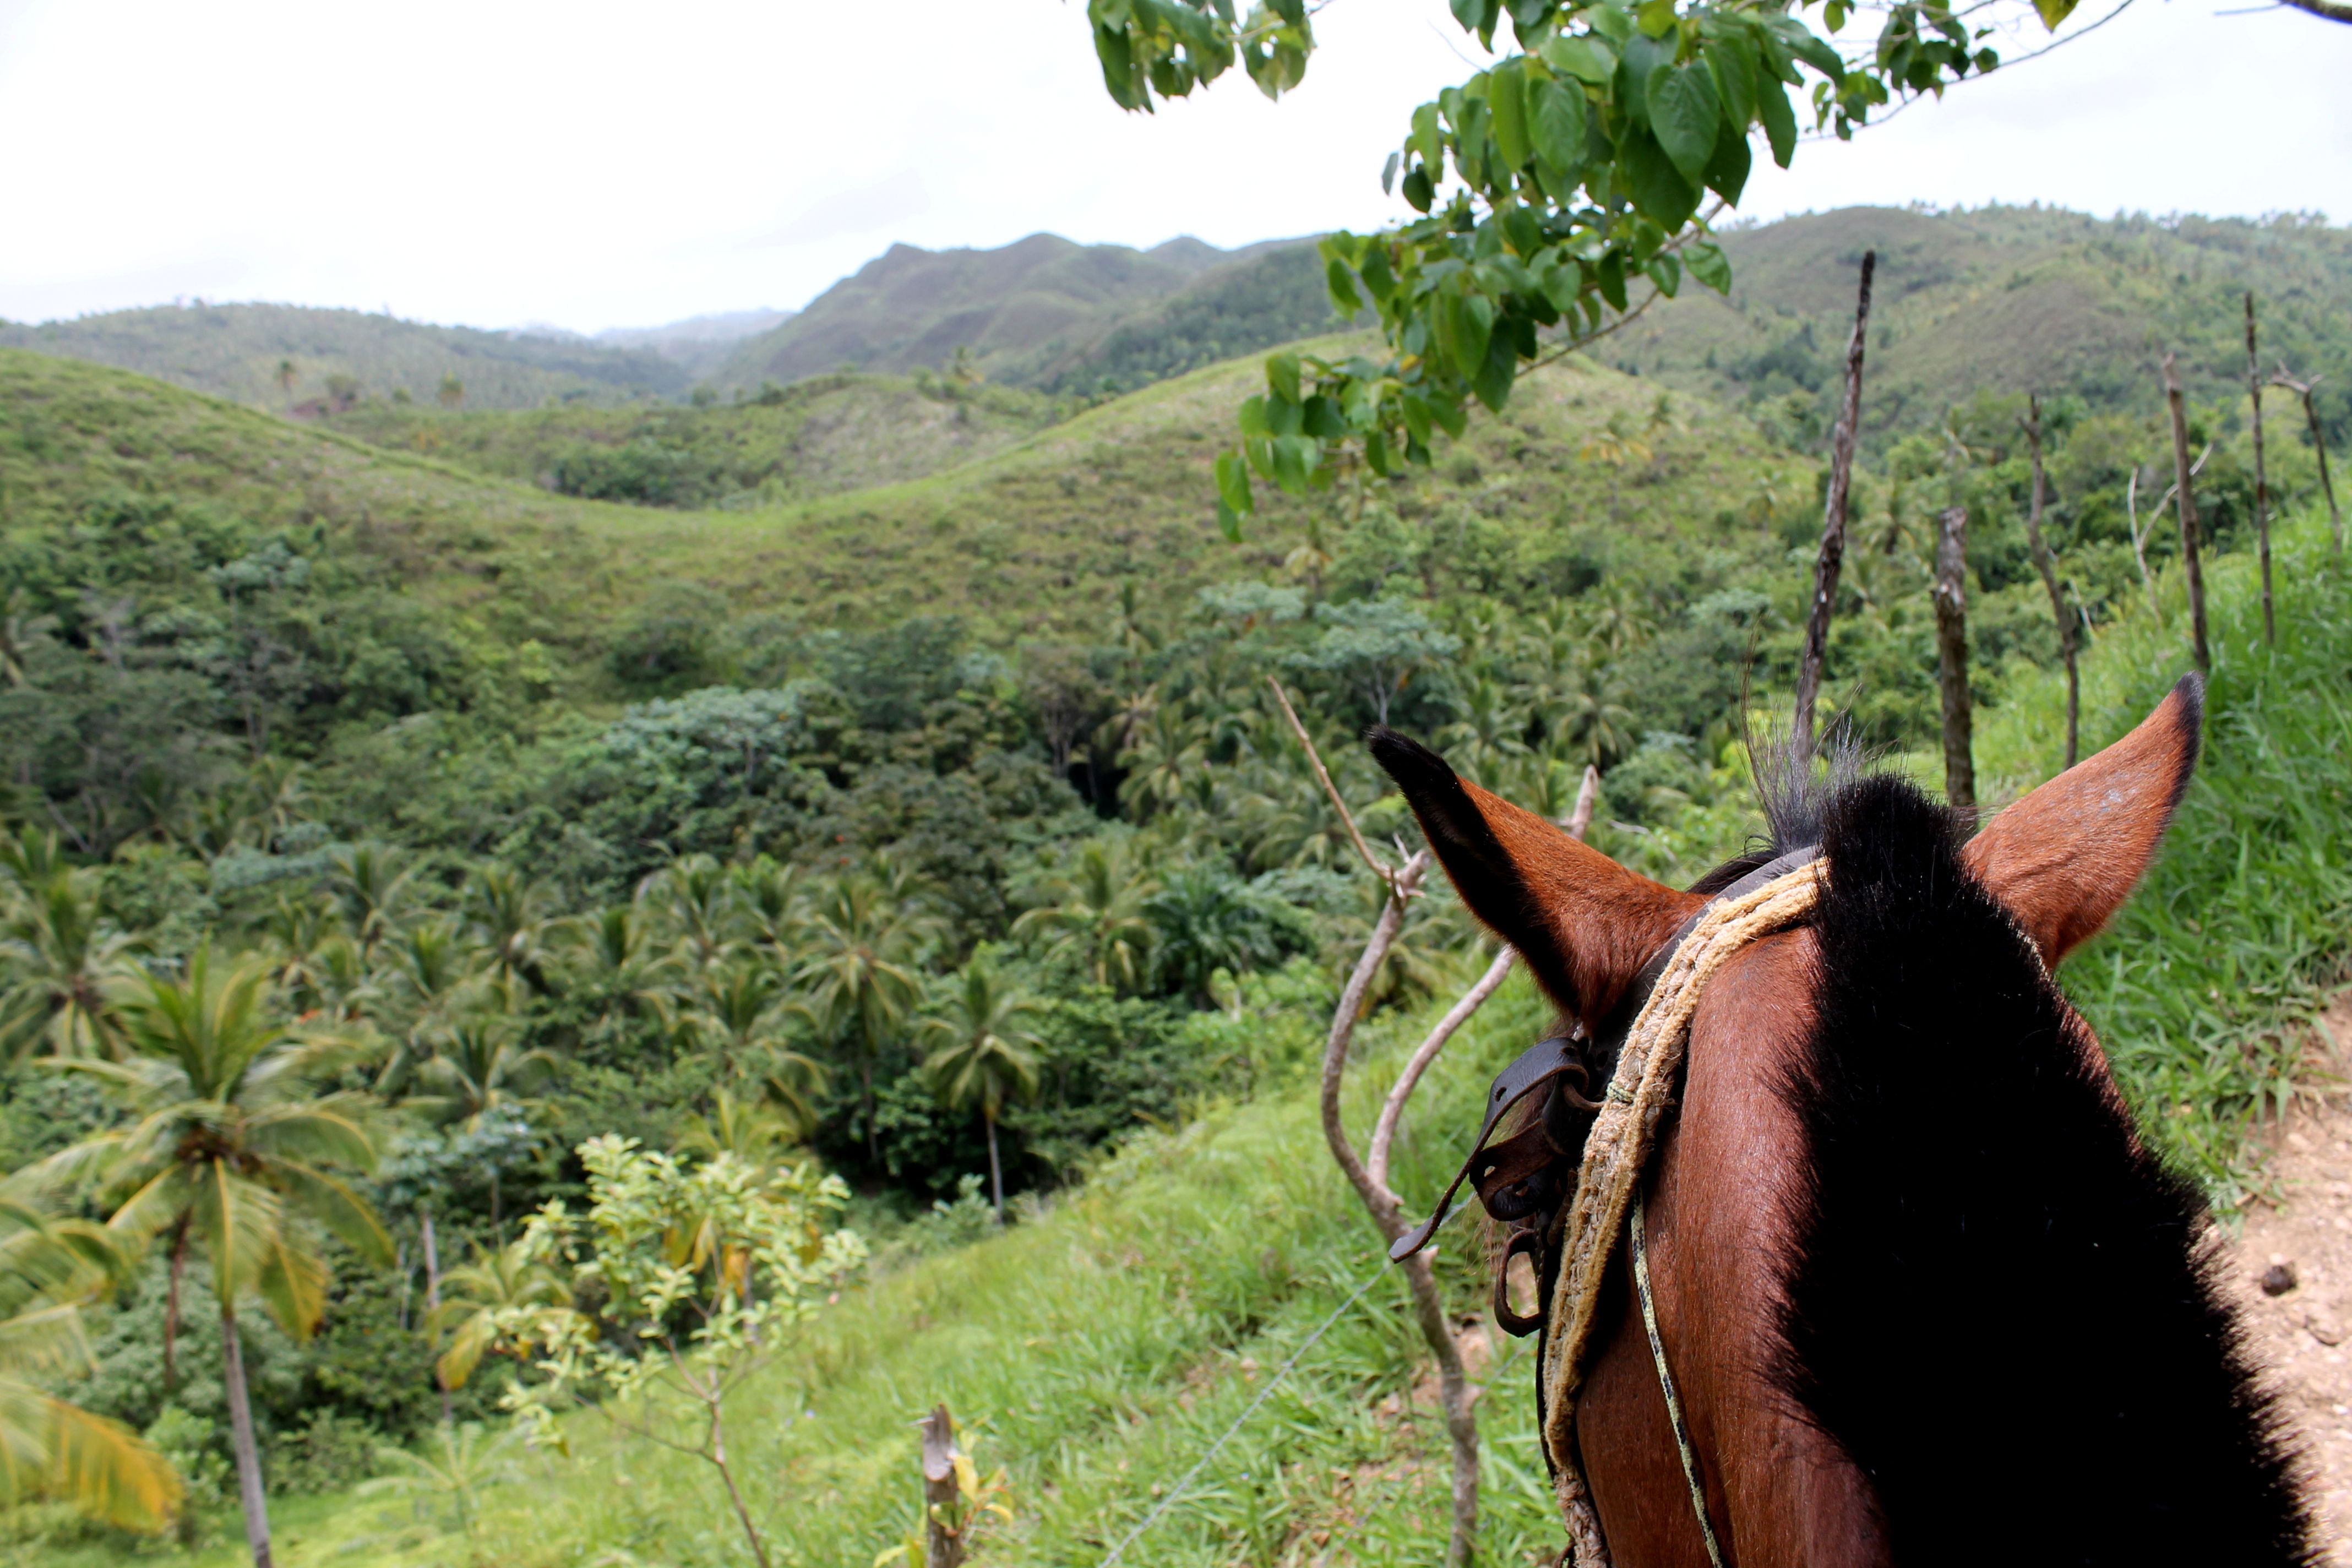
point(1583, 924)
point(2065, 857)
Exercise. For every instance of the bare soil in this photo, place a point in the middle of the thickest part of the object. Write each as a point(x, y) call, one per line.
point(2301, 1314)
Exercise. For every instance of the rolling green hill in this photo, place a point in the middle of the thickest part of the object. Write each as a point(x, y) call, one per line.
point(815, 437)
point(337, 356)
point(2009, 299)
point(1045, 311)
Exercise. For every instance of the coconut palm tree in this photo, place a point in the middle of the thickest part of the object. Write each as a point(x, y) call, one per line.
point(372, 887)
point(1095, 908)
point(61, 963)
point(48, 1446)
point(985, 1053)
point(231, 1150)
point(511, 921)
point(739, 1019)
point(859, 963)
point(482, 1073)
point(474, 1294)
point(458, 1466)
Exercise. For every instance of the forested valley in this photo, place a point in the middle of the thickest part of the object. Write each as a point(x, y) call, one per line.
point(457, 843)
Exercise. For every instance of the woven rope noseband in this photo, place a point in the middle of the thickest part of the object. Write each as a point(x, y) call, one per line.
point(1615, 1151)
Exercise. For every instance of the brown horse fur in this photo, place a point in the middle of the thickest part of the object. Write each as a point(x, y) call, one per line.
point(1928, 1298)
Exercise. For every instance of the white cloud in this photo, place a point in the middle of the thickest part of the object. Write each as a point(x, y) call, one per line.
point(595, 164)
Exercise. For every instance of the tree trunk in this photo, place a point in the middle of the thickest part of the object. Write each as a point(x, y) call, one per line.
point(2185, 509)
point(2043, 564)
point(1833, 556)
point(866, 1077)
point(433, 1301)
point(1952, 658)
point(171, 1308)
point(996, 1174)
point(716, 1454)
point(2262, 476)
point(248, 1454)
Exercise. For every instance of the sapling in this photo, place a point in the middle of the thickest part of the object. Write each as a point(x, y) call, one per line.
point(699, 1270)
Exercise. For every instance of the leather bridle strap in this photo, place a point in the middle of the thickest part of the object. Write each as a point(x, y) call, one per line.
point(1549, 1058)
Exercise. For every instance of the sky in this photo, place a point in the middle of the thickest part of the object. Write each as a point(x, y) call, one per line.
point(589, 166)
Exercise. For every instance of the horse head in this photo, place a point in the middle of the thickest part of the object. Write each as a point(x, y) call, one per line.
point(1921, 1292)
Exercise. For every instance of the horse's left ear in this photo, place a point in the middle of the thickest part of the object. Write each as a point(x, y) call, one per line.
point(2066, 857)
point(1583, 924)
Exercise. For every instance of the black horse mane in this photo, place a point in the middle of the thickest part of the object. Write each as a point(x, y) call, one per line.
point(1999, 1302)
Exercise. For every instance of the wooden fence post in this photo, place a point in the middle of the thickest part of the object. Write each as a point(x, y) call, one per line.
point(1952, 656)
point(2185, 508)
point(942, 1516)
point(1832, 556)
point(2262, 476)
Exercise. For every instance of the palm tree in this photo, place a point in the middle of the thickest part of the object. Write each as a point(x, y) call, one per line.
point(1097, 908)
point(474, 1294)
point(480, 1073)
point(859, 965)
point(372, 887)
point(63, 964)
point(511, 920)
point(229, 1147)
point(984, 1054)
point(698, 898)
point(769, 898)
point(739, 1020)
point(49, 1447)
point(459, 1466)
point(428, 979)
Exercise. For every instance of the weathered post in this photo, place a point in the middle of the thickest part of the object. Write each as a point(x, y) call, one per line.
point(943, 1524)
point(2262, 476)
point(2319, 446)
point(2185, 508)
point(1832, 556)
point(1952, 656)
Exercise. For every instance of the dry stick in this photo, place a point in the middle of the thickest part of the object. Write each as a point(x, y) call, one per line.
point(1833, 556)
point(1952, 658)
point(2139, 553)
point(2050, 580)
point(2185, 508)
point(2262, 480)
point(1385, 1207)
point(1587, 794)
point(2319, 445)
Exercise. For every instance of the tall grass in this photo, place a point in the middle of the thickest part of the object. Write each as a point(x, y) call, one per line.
point(2203, 988)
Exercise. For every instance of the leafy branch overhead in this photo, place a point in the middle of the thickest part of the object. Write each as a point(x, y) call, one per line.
point(1551, 185)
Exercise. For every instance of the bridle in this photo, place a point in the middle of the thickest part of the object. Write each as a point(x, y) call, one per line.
point(1525, 1179)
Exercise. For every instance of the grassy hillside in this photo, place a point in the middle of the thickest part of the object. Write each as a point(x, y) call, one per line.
point(1095, 1351)
point(818, 437)
point(235, 351)
point(1039, 311)
point(2005, 299)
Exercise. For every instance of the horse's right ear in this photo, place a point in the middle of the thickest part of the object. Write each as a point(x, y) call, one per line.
point(2065, 857)
point(1583, 924)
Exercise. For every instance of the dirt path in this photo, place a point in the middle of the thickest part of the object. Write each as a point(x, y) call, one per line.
point(2304, 1329)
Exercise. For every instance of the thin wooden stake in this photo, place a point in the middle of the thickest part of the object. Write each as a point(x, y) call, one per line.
point(1833, 511)
point(1952, 658)
point(2043, 563)
point(2319, 445)
point(2185, 509)
point(942, 1514)
point(2262, 476)
point(1380, 868)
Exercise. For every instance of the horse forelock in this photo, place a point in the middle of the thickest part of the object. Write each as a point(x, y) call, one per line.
point(1995, 1300)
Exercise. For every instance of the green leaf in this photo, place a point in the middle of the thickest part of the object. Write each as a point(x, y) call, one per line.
point(1417, 189)
point(1260, 451)
point(1493, 382)
point(1684, 115)
point(1253, 420)
point(1118, 57)
point(1389, 174)
point(1659, 191)
point(1450, 418)
point(1707, 264)
point(1667, 273)
point(2054, 12)
point(1555, 124)
point(1780, 120)
point(1322, 418)
point(1732, 59)
point(1506, 102)
point(1234, 493)
point(1376, 274)
point(1415, 408)
point(1295, 458)
point(1475, 318)
point(1342, 285)
point(1281, 376)
point(1428, 139)
point(1636, 66)
point(1726, 171)
point(1610, 274)
point(1588, 58)
point(1655, 18)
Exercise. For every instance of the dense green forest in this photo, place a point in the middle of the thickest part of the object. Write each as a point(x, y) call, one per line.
point(880, 776)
